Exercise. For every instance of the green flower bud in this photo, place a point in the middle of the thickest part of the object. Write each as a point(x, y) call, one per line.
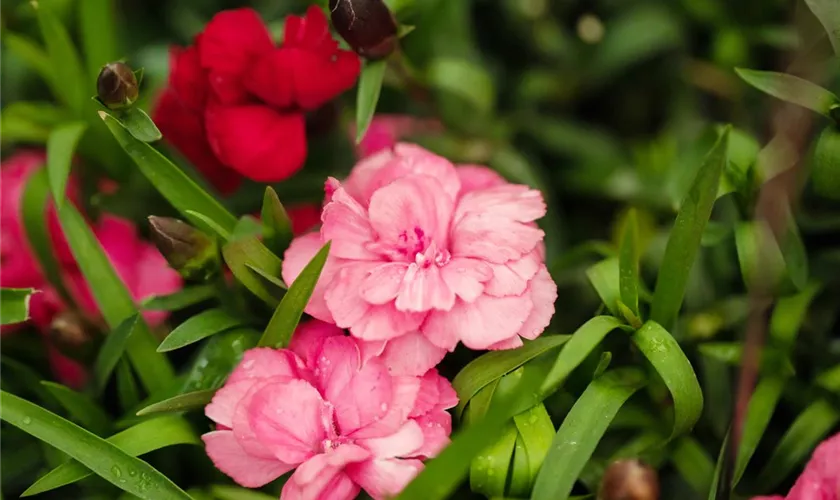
point(75, 336)
point(117, 86)
point(629, 480)
point(187, 250)
point(367, 25)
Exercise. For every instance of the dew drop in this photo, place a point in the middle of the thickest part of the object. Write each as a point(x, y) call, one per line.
point(248, 364)
point(27, 420)
point(115, 470)
point(132, 472)
point(383, 407)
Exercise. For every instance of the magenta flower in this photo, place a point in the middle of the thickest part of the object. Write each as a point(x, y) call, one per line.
point(821, 478)
point(419, 245)
point(331, 409)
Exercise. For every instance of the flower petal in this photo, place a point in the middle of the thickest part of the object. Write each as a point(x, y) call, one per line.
point(346, 224)
point(466, 277)
point(411, 354)
point(423, 289)
point(384, 478)
point(264, 362)
point(309, 338)
point(478, 325)
point(257, 141)
point(543, 293)
point(512, 277)
point(475, 177)
point(297, 256)
point(187, 79)
point(383, 283)
point(245, 469)
point(322, 476)
point(403, 443)
point(404, 391)
point(223, 405)
point(495, 238)
point(436, 427)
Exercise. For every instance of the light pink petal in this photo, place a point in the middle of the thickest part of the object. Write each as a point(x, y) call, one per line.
point(346, 224)
point(543, 293)
point(290, 419)
point(223, 405)
point(322, 476)
point(383, 283)
point(516, 202)
point(360, 181)
point(411, 158)
point(338, 362)
point(495, 238)
point(512, 277)
point(447, 397)
point(404, 392)
point(474, 177)
point(478, 325)
point(466, 277)
point(385, 322)
point(427, 398)
point(309, 338)
point(343, 297)
point(423, 289)
point(264, 362)
point(411, 354)
point(297, 256)
point(504, 345)
point(384, 478)
point(247, 470)
point(403, 443)
point(436, 427)
point(371, 349)
point(821, 478)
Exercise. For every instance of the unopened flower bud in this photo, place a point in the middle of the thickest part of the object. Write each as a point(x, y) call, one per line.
point(367, 25)
point(629, 480)
point(187, 250)
point(75, 336)
point(117, 86)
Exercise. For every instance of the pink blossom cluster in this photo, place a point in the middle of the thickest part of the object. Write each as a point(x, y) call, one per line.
point(821, 478)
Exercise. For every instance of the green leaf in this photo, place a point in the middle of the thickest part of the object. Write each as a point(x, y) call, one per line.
point(493, 365)
point(30, 121)
point(35, 56)
point(235, 493)
point(14, 304)
point(789, 314)
point(629, 264)
point(759, 256)
point(64, 61)
point(127, 391)
point(664, 353)
point(145, 437)
point(114, 300)
point(60, 148)
point(580, 433)
point(825, 170)
point(684, 240)
point(247, 226)
point(240, 254)
point(277, 227)
point(719, 486)
point(112, 350)
point(98, 27)
point(370, 84)
point(693, 463)
point(536, 432)
point(287, 314)
point(169, 180)
point(829, 379)
point(209, 226)
point(791, 89)
point(200, 326)
point(605, 278)
point(139, 125)
point(217, 358)
point(828, 12)
point(762, 404)
point(81, 408)
point(103, 458)
point(182, 402)
point(466, 79)
point(183, 298)
point(489, 470)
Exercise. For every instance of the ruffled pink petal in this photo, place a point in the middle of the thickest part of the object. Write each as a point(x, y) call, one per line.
point(402, 443)
point(411, 354)
point(428, 396)
point(424, 289)
point(466, 277)
point(512, 277)
point(383, 283)
point(223, 405)
point(384, 478)
point(436, 427)
point(264, 362)
point(290, 419)
point(511, 343)
point(494, 238)
point(242, 429)
point(475, 177)
point(346, 224)
point(360, 183)
point(516, 202)
point(322, 477)
point(447, 397)
point(404, 392)
point(478, 325)
point(412, 159)
point(386, 323)
point(247, 470)
point(543, 293)
point(297, 256)
point(309, 338)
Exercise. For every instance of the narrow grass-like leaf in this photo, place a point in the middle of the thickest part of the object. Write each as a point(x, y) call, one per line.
point(139, 125)
point(629, 264)
point(223, 492)
point(186, 297)
point(14, 304)
point(112, 350)
point(684, 240)
point(169, 180)
point(247, 226)
point(34, 56)
point(719, 488)
point(760, 258)
point(490, 469)
point(60, 148)
point(605, 278)
point(240, 254)
point(65, 63)
point(370, 84)
point(806, 432)
point(182, 402)
point(828, 12)
point(217, 358)
point(287, 314)
point(103, 458)
point(791, 89)
point(277, 227)
point(273, 283)
point(114, 300)
point(692, 463)
point(789, 314)
point(664, 353)
point(198, 327)
point(98, 26)
point(761, 406)
point(793, 251)
point(81, 408)
point(495, 364)
point(209, 226)
point(825, 166)
point(829, 379)
point(580, 433)
point(127, 391)
point(536, 431)
point(145, 437)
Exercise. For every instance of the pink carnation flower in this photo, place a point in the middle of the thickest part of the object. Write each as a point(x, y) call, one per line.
point(420, 245)
point(386, 130)
point(331, 410)
point(821, 478)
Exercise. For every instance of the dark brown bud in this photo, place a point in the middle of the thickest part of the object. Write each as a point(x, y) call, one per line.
point(75, 336)
point(629, 480)
point(187, 250)
point(117, 86)
point(367, 25)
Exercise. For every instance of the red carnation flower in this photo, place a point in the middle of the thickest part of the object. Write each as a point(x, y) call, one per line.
point(235, 103)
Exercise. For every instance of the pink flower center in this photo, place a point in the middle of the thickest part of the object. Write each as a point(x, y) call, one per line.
point(412, 246)
point(330, 444)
